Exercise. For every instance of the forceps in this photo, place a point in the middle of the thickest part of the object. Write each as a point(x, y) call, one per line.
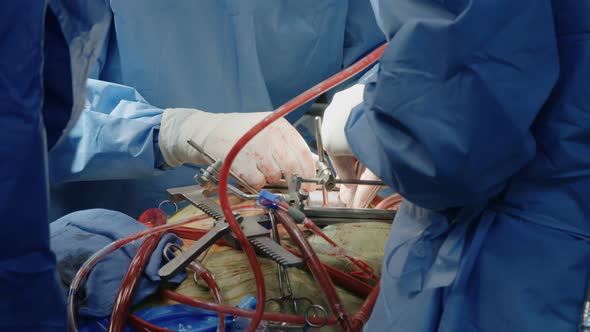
point(284, 281)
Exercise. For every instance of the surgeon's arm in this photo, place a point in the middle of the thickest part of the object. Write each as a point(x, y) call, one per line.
point(115, 137)
point(447, 119)
point(120, 136)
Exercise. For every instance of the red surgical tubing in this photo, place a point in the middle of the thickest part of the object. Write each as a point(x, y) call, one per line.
point(285, 109)
point(94, 259)
point(317, 270)
point(229, 310)
point(122, 304)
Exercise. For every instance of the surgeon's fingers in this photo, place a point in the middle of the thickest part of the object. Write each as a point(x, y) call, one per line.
point(316, 199)
point(282, 152)
point(286, 160)
point(245, 167)
point(365, 194)
point(265, 161)
point(304, 163)
point(345, 166)
point(346, 194)
point(269, 167)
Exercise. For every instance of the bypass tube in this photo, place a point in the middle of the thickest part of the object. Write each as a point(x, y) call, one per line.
point(142, 325)
point(94, 259)
point(357, 263)
point(344, 279)
point(361, 317)
point(285, 109)
point(316, 268)
point(201, 272)
point(229, 310)
point(122, 305)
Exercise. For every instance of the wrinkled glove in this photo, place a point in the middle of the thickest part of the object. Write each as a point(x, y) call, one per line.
point(276, 151)
point(336, 145)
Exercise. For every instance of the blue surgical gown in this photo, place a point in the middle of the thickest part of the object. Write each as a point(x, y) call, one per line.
point(47, 49)
point(479, 115)
point(214, 55)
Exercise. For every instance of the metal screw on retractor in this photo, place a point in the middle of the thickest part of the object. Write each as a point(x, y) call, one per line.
point(209, 177)
point(212, 160)
point(324, 173)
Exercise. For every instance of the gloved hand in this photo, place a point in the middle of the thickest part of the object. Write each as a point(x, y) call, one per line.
point(277, 150)
point(336, 145)
point(335, 117)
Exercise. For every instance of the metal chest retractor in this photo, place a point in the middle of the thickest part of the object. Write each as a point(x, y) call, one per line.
point(253, 228)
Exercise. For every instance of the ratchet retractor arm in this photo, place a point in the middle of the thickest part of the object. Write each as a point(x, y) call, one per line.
point(253, 228)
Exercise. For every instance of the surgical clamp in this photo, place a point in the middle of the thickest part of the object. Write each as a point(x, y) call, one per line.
point(283, 276)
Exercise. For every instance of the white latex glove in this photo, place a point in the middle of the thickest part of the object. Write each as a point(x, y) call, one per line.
point(277, 150)
point(316, 199)
point(335, 117)
point(336, 145)
point(360, 196)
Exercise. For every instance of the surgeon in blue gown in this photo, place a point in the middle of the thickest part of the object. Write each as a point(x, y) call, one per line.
point(47, 50)
point(479, 115)
point(215, 56)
